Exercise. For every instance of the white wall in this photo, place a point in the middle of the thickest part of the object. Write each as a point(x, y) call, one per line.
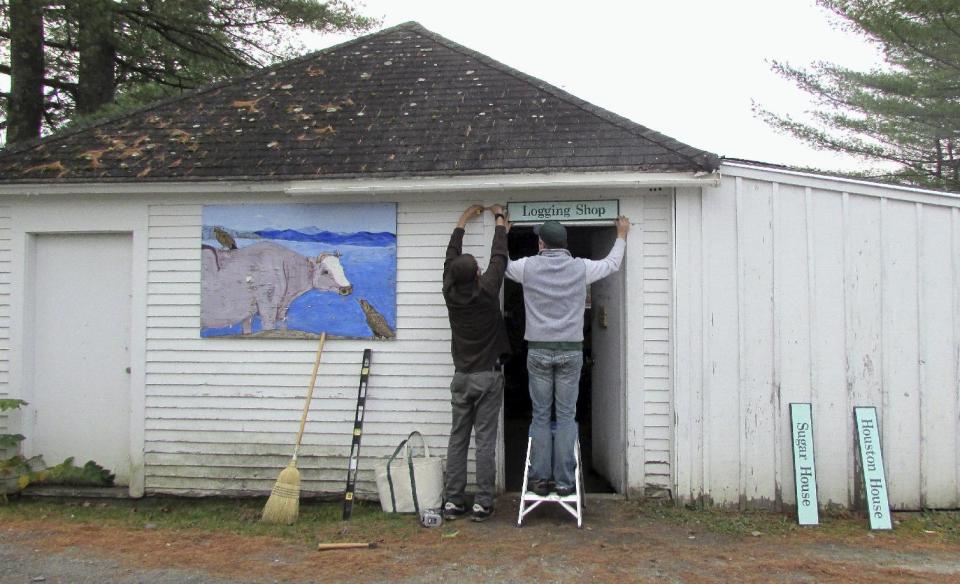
point(8, 420)
point(792, 288)
point(219, 416)
point(222, 413)
point(648, 298)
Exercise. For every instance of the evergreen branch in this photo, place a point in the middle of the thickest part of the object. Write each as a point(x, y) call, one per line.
point(217, 51)
point(48, 81)
point(920, 50)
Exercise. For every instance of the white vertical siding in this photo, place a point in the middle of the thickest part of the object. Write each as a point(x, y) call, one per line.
point(796, 289)
point(828, 390)
point(792, 325)
point(690, 400)
point(758, 400)
point(721, 314)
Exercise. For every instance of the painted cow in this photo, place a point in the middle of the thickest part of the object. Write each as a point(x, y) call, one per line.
point(263, 278)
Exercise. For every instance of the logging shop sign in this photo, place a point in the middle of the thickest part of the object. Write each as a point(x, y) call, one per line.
point(539, 211)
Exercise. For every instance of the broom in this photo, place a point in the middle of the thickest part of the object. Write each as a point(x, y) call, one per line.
point(284, 502)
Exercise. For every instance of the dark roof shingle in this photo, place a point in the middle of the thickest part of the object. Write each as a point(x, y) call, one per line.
point(400, 102)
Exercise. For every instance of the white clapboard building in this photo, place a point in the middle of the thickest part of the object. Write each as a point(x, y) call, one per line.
point(745, 287)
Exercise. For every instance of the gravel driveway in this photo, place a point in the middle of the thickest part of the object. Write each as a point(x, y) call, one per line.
point(621, 542)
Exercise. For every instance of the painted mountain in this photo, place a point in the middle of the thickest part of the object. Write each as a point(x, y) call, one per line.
point(364, 238)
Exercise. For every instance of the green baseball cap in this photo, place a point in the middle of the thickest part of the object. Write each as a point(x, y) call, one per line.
point(552, 233)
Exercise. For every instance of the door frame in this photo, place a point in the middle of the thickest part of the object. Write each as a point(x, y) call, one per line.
point(622, 488)
point(80, 216)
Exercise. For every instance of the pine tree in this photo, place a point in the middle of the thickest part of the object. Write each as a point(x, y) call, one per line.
point(103, 55)
point(907, 113)
point(26, 65)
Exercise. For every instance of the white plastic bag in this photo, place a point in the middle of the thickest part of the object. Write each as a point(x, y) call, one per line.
point(396, 478)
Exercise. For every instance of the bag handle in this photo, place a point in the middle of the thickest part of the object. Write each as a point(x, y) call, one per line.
point(409, 457)
point(393, 498)
point(413, 484)
point(423, 444)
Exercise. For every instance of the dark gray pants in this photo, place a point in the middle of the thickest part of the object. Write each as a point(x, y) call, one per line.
point(475, 399)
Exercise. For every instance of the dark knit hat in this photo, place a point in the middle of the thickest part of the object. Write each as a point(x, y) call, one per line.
point(463, 269)
point(552, 233)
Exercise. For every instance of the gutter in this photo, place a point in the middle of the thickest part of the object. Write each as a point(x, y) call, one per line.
point(304, 188)
point(508, 182)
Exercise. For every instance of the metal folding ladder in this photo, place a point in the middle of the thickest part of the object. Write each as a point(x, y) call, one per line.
point(574, 503)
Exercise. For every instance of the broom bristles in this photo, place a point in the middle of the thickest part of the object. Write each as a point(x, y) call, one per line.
point(283, 506)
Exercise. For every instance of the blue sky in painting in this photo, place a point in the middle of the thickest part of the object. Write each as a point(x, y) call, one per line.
point(336, 217)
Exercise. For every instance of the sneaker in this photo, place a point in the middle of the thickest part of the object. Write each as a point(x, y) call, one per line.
point(566, 491)
point(541, 487)
point(453, 511)
point(481, 513)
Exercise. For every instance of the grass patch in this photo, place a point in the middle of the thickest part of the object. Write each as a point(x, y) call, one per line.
point(719, 521)
point(317, 520)
point(933, 526)
point(943, 525)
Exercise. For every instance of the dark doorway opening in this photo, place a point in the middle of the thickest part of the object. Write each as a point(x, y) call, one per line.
point(517, 411)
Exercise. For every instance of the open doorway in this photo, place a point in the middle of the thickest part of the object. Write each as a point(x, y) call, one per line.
point(599, 405)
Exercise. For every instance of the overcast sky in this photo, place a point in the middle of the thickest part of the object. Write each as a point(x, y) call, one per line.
point(689, 69)
point(686, 68)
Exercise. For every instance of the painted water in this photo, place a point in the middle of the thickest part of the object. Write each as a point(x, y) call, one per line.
point(368, 257)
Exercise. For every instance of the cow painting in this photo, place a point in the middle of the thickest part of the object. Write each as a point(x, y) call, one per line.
point(267, 271)
point(262, 279)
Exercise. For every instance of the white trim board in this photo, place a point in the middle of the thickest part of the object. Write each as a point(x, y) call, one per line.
point(485, 183)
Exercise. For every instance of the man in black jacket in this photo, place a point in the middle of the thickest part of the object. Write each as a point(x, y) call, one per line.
point(479, 340)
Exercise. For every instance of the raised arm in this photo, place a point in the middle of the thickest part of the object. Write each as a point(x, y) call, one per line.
point(455, 247)
point(492, 279)
point(598, 269)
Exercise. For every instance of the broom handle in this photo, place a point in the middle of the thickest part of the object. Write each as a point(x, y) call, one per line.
point(306, 406)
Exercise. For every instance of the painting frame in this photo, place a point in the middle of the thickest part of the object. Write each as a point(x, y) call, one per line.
point(296, 270)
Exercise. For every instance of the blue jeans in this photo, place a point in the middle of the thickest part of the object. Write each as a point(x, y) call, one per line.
point(554, 375)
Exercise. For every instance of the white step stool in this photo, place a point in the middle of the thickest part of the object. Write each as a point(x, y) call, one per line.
point(574, 503)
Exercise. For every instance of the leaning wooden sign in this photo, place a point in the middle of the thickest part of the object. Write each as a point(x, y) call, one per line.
point(804, 469)
point(871, 461)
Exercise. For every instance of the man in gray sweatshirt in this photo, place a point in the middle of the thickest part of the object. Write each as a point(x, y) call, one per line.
point(554, 294)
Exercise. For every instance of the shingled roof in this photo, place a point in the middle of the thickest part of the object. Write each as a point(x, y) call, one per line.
point(401, 102)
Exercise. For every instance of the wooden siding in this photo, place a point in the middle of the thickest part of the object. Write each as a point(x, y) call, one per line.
point(218, 416)
point(657, 257)
point(794, 289)
point(7, 420)
point(221, 414)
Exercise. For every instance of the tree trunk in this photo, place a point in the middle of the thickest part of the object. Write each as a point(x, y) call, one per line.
point(25, 114)
point(96, 79)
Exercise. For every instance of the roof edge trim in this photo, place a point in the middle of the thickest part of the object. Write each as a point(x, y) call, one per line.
point(305, 188)
point(497, 183)
point(863, 184)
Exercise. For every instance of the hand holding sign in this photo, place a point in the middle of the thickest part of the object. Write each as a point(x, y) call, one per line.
point(497, 209)
point(472, 211)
